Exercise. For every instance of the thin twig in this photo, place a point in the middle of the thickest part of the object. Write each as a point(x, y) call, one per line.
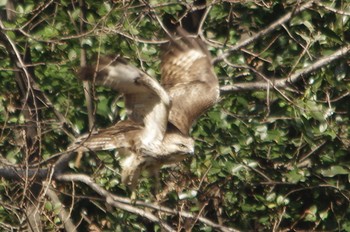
point(263, 32)
point(337, 11)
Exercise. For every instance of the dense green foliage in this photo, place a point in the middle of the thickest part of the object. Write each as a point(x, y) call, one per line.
point(270, 159)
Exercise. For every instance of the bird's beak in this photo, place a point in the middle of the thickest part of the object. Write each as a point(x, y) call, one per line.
point(191, 152)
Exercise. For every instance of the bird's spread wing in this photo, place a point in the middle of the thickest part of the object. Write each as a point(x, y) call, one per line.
point(189, 79)
point(145, 99)
point(121, 135)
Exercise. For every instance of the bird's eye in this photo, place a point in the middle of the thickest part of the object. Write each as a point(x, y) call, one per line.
point(182, 145)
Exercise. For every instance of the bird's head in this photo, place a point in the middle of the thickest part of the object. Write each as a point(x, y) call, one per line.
point(177, 147)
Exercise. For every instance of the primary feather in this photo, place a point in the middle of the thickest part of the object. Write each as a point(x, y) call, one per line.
point(189, 79)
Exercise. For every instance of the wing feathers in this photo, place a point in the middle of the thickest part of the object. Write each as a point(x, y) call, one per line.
point(189, 79)
point(146, 100)
point(121, 135)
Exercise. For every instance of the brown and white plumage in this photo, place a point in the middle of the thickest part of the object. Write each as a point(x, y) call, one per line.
point(174, 148)
point(189, 79)
point(146, 102)
point(142, 141)
point(125, 136)
point(120, 135)
point(153, 136)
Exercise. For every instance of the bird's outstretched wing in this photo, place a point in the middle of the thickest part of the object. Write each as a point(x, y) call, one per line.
point(189, 79)
point(119, 136)
point(146, 101)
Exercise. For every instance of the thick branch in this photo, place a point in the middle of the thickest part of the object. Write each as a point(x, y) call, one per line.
point(283, 83)
point(63, 214)
point(109, 198)
point(127, 204)
point(18, 173)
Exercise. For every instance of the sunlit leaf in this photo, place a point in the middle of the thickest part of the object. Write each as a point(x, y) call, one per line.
point(335, 170)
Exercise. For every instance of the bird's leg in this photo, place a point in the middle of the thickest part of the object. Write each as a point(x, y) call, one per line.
point(154, 172)
point(131, 171)
point(78, 158)
point(131, 181)
point(156, 186)
point(133, 196)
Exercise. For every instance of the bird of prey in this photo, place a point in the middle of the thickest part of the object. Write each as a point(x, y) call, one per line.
point(159, 115)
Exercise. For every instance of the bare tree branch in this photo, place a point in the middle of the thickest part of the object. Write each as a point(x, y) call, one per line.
point(63, 214)
point(126, 204)
point(110, 200)
point(87, 88)
point(283, 83)
point(337, 11)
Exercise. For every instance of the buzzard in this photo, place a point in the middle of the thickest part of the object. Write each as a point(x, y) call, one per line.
point(159, 115)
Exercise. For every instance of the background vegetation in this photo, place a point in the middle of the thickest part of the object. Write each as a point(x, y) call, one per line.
point(272, 155)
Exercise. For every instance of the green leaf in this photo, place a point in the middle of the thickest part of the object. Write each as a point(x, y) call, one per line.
point(331, 34)
point(324, 215)
point(76, 13)
point(12, 155)
point(335, 170)
point(316, 111)
point(103, 107)
point(72, 55)
point(48, 206)
point(311, 214)
point(3, 3)
point(295, 176)
point(86, 42)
